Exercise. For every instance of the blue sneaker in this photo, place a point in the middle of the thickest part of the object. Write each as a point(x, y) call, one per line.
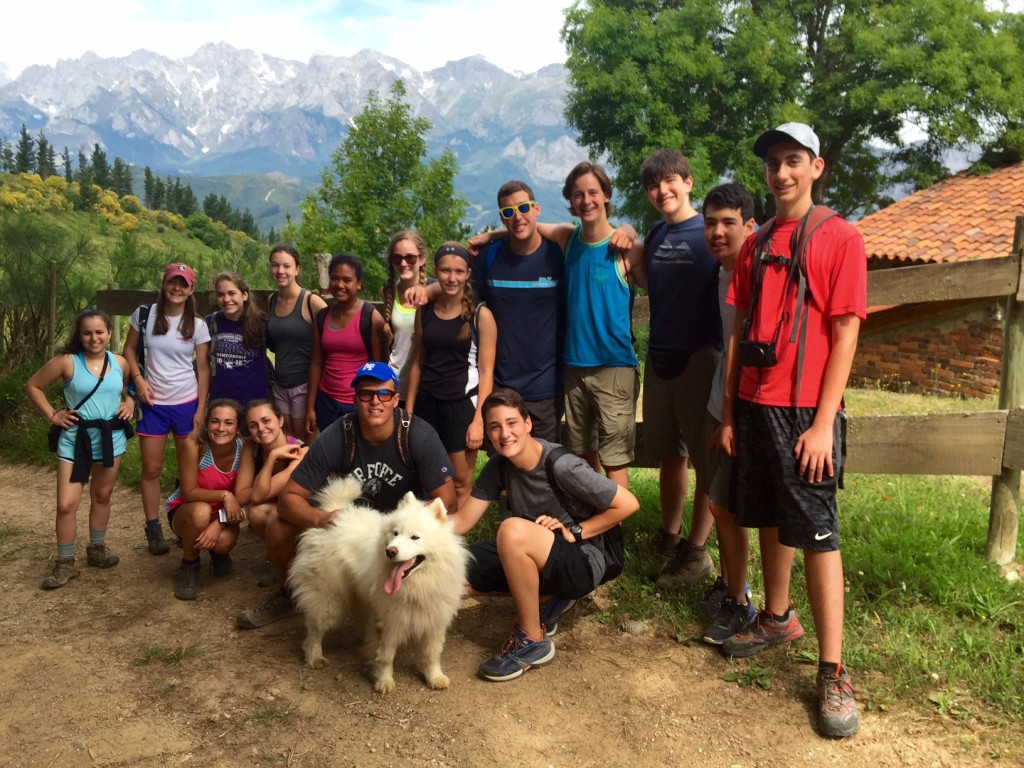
point(708, 606)
point(731, 619)
point(552, 611)
point(517, 656)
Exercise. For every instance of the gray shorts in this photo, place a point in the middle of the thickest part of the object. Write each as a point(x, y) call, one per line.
point(674, 409)
point(292, 401)
point(717, 477)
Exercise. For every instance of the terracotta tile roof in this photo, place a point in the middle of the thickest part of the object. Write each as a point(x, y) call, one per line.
point(961, 218)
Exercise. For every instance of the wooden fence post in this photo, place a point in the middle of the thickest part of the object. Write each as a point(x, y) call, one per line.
point(51, 320)
point(115, 335)
point(1004, 512)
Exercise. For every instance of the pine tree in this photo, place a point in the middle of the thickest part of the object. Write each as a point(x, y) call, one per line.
point(6, 157)
point(25, 155)
point(159, 195)
point(100, 168)
point(121, 178)
point(66, 158)
point(46, 162)
point(148, 187)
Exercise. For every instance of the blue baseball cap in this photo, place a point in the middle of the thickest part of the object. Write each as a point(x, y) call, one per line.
point(375, 370)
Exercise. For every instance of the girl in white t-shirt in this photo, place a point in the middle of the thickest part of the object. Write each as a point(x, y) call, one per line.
point(407, 267)
point(171, 392)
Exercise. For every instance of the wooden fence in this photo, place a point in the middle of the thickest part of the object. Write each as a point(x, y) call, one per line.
point(986, 443)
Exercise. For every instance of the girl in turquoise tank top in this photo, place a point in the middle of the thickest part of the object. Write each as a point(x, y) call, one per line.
point(85, 363)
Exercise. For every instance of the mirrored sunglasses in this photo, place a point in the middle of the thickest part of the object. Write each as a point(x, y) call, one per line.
point(509, 211)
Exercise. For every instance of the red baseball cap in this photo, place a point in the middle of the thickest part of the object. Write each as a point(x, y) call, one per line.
point(180, 270)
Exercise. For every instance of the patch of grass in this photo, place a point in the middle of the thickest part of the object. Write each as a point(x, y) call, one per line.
point(181, 654)
point(271, 715)
point(150, 654)
point(750, 676)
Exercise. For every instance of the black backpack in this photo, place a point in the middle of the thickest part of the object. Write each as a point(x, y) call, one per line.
point(612, 539)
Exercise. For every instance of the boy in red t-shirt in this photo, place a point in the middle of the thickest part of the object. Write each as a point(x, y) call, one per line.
point(782, 419)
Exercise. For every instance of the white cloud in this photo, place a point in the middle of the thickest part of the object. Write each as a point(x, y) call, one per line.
point(517, 35)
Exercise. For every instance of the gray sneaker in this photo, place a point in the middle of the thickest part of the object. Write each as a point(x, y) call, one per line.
point(689, 565)
point(274, 608)
point(188, 582)
point(665, 544)
point(63, 571)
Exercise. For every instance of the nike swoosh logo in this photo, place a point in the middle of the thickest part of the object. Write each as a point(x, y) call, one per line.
point(822, 536)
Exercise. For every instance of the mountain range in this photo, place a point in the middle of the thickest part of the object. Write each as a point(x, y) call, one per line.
point(224, 113)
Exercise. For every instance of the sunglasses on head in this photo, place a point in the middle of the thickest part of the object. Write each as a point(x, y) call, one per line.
point(509, 211)
point(408, 258)
point(384, 395)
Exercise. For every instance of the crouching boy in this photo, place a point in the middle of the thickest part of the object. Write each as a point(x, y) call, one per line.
point(558, 541)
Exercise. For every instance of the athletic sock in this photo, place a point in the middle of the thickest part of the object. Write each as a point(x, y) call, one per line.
point(830, 668)
point(189, 563)
point(782, 618)
point(97, 537)
point(66, 550)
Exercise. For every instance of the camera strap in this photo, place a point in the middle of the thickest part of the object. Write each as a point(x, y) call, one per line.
point(797, 273)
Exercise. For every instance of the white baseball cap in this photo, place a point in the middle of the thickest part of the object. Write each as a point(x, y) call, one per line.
point(801, 133)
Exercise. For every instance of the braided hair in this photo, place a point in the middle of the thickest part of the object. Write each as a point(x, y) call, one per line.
point(388, 293)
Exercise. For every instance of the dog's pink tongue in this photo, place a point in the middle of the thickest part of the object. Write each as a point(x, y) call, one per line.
point(395, 579)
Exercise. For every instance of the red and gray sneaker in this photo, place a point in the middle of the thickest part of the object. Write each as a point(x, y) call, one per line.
point(837, 709)
point(765, 632)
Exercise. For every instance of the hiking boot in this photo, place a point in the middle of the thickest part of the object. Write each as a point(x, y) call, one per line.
point(517, 655)
point(837, 709)
point(707, 607)
point(689, 565)
point(98, 556)
point(274, 608)
point(765, 632)
point(268, 578)
point(665, 544)
point(188, 582)
point(63, 571)
point(732, 618)
point(551, 612)
point(222, 565)
point(156, 542)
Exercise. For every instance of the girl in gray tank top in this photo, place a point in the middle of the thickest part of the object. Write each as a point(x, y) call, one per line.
point(291, 338)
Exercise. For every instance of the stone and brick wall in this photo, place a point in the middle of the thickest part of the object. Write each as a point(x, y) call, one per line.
point(955, 353)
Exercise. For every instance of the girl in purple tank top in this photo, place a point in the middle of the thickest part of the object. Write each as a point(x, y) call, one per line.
point(238, 353)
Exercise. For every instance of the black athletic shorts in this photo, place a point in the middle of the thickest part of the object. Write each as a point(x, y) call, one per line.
point(566, 573)
point(767, 490)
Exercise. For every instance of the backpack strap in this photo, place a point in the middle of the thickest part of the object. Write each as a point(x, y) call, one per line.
point(348, 437)
point(321, 323)
point(212, 325)
point(140, 347)
point(490, 257)
point(366, 327)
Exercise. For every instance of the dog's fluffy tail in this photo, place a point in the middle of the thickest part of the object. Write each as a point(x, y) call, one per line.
point(338, 493)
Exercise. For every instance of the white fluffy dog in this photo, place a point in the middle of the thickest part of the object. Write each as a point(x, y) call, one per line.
point(402, 573)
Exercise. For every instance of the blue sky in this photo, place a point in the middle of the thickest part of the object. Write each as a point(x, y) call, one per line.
point(514, 34)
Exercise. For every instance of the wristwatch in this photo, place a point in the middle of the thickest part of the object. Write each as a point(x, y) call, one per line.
point(577, 531)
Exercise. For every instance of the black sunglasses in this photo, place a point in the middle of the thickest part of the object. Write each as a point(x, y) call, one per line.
point(384, 395)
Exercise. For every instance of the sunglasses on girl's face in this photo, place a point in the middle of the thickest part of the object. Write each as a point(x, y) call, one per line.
point(408, 258)
point(509, 211)
point(384, 395)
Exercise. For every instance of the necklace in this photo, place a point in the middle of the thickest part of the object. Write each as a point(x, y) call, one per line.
point(95, 366)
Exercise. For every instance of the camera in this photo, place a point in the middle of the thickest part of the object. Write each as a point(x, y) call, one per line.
point(757, 354)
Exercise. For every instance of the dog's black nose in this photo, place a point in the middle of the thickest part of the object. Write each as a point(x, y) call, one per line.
point(391, 552)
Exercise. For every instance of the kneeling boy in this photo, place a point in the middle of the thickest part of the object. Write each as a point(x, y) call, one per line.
point(540, 549)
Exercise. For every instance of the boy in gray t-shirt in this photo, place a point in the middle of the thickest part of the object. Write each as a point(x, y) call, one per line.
point(540, 549)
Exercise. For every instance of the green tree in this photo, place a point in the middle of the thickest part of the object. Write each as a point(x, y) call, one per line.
point(25, 154)
point(100, 167)
point(121, 178)
point(66, 163)
point(6, 157)
point(379, 181)
point(46, 157)
point(147, 187)
point(708, 76)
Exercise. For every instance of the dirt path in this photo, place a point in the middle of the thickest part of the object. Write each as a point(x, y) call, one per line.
point(112, 670)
